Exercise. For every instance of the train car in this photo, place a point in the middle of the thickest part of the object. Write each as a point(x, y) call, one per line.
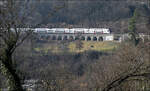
point(51, 30)
point(41, 30)
point(85, 30)
point(78, 30)
point(22, 29)
point(73, 30)
point(67, 30)
point(59, 30)
point(106, 31)
point(98, 31)
point(91, 30)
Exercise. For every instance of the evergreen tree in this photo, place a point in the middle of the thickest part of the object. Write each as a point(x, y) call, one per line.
point(132, 27)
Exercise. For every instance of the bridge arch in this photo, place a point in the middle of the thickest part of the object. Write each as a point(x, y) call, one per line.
point(100, 38)
point(82, 38)
point(88, 38)
point(54, 37)
point(94, 38)
point(59, 38)
point(47, 37)
point(65, 38)
point(77, 38)
point(71, 38)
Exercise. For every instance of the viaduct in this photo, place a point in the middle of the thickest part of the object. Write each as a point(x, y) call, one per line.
point(77, 36)
point(87, 36)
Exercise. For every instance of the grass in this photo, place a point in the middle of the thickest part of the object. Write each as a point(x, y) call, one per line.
point(87, 45)
point(92, 45)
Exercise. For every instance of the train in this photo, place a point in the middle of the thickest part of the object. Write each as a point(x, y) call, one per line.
point(67, 30)
point(73, 30)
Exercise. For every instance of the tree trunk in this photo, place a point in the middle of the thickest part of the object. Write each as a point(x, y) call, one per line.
point(13, 80)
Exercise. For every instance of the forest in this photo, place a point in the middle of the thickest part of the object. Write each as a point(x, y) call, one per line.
point(112, 14)
point(124, 67)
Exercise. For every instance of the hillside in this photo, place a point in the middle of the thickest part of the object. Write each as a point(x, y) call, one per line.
point(113, 14)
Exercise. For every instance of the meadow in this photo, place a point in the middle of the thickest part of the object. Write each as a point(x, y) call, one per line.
point(61, 47)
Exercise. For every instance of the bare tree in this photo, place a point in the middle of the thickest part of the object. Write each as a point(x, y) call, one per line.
point(128, 64)
point(15, 17)
point(13, 31)
point(133, 64)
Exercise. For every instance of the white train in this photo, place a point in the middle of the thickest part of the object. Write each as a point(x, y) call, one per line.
point(73, 30)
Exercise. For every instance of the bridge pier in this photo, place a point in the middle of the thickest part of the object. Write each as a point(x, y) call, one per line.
point(92, 38)
point(85, 38)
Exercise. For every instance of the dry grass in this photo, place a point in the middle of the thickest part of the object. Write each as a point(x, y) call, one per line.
point(87, 45)
point(92, 45)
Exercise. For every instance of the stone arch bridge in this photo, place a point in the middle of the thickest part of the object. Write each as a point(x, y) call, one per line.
point(86, 37)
